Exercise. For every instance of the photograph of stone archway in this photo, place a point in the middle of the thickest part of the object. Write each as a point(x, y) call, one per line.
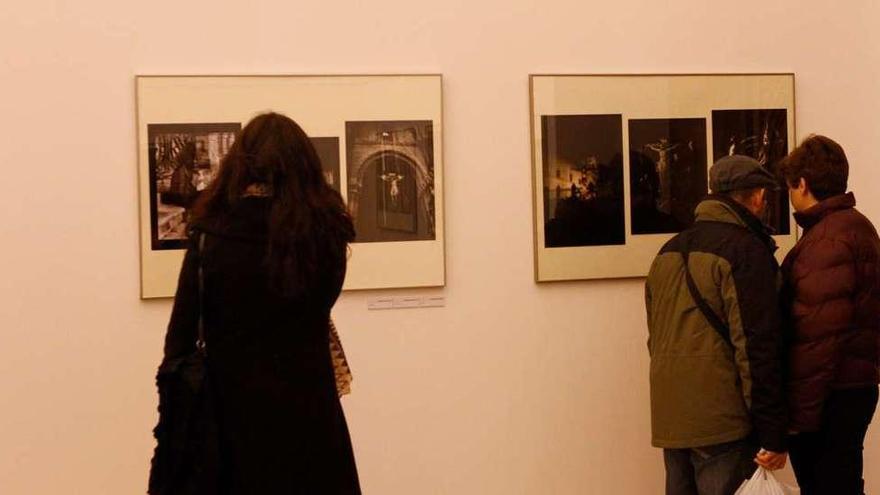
point(391, 180)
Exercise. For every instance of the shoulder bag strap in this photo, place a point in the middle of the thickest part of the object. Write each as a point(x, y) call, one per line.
point(712, 317)
point(201, 342)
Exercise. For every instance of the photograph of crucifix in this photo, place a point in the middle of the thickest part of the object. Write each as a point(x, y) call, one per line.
point(667, 173)
point(391, 180)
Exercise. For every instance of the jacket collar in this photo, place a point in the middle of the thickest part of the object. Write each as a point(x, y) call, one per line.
point(817, 212)
point(718, 208)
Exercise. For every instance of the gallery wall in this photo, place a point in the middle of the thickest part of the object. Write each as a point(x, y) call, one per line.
point(512, 387)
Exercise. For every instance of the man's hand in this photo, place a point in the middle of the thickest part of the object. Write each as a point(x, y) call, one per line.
point(771, 460)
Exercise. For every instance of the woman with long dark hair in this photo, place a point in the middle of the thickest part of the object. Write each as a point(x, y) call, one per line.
point(274, 240)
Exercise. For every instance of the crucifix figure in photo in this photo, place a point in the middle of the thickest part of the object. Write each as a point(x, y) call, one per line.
point(393, 180)
point(663, 147)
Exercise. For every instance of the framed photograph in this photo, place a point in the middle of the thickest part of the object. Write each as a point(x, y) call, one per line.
point(582, 167)
point(620, 162)
point(763, 135)
point(328, 153)
point(379, 138)
point(668, 173)
point(183, 159)
point(391, 180)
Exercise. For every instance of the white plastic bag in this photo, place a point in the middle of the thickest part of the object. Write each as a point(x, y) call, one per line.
point(764, 483)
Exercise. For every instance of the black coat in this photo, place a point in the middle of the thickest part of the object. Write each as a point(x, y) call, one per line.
point(282, 429)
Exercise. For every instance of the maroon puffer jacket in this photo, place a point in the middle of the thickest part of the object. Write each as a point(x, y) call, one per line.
point(833, 294)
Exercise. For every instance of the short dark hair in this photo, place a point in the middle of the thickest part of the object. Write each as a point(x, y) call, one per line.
point(821, 162)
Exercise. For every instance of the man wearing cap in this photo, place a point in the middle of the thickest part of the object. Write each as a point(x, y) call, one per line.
point(717, 400)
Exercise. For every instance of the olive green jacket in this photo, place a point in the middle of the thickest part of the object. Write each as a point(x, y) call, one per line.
point(708, 388)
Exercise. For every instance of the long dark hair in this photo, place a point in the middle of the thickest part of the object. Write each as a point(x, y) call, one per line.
point(308, 220)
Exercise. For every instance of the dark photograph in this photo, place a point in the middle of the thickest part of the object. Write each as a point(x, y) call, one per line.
point(582, 159)
point(668, 173)
point(391, 180)
point(763, 135)
point(183, 160)
point(328, 153)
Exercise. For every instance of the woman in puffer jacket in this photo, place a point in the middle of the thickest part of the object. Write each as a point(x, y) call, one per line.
point(832, 294)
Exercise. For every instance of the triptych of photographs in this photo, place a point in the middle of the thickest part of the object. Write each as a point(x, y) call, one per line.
point(583, 166)
point(620, 162)
point(378, 139)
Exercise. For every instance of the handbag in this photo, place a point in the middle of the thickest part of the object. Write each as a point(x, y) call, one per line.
point(186, 457)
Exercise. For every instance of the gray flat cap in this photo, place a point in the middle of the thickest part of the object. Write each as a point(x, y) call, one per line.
point(739, 172)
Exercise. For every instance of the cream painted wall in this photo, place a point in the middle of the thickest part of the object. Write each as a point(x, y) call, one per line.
point(512, 388)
